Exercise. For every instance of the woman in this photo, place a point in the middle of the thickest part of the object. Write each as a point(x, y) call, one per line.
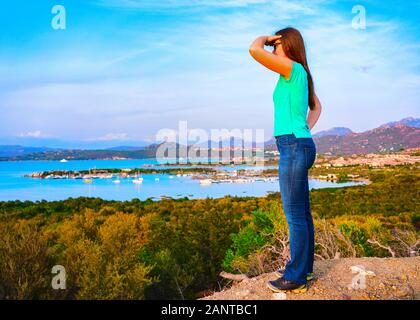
point(293, 94)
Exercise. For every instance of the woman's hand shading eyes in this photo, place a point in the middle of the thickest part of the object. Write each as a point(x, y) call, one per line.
point(272, 40)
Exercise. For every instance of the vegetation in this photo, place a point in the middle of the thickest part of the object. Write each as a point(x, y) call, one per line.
point(176, 248)
point(72, 173)
point(84, 155)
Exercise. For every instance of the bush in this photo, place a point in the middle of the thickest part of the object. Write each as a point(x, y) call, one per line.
point(24, 262)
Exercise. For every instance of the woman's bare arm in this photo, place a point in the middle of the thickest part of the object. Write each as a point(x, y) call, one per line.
point(313, 115)
point(276, 63)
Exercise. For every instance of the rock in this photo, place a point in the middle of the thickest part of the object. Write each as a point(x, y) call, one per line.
point(242, 293)
point(279, 296)
point(396, 279)
point(401, 293)
point(359, 269)
point(405, 291)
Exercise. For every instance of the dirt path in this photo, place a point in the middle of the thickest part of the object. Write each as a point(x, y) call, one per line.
point(395, 278)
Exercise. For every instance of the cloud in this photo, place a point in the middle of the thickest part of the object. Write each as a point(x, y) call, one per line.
point(34, 134)
point(178, 4)
point(113, 137)
point(201, 70)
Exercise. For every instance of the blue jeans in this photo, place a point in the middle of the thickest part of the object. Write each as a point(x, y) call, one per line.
point(297, 155)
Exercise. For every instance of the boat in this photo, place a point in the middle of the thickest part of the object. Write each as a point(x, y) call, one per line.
point(87, 178)
point(157, 179)
point(64, 160)
point(116, 181)
point(205, 182)
point(138, 181)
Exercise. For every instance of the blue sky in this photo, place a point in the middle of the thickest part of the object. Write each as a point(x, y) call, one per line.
point(124, 69)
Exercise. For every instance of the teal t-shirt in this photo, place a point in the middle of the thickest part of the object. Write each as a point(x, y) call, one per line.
point(291, 103)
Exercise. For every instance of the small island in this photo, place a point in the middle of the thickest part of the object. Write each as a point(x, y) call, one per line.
point(113, 172)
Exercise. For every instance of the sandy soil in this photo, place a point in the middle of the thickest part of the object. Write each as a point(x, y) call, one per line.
point(394, 278)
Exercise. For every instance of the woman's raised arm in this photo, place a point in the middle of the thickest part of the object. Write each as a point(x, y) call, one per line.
point(274, 62)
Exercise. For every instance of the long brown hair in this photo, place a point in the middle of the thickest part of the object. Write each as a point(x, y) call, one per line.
point(294, 48)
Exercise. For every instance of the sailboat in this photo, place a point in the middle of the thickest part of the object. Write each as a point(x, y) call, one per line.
point(205, 182)
point(138, 180)
point(87, 178)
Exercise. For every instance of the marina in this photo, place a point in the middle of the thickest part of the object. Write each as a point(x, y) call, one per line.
point(142, 179)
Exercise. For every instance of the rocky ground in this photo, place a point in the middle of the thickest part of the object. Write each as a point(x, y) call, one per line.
point(385, 278)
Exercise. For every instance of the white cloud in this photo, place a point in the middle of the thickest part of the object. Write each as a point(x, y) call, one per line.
point(202, 73)
point(34, 134)
point(113, 137)
point(177, 4)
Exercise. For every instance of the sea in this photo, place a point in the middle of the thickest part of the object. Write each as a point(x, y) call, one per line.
point(15, 186)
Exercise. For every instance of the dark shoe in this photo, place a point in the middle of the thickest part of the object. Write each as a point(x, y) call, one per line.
point(282, 285)
point(280, 273)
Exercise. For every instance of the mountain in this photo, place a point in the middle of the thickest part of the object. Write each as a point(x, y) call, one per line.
point(409, 121)
point(339, 131)
point(391, 136)
point(125, 148)
point(15, 150)
point(336, 131)
point(54, 143)
point(382, 139)
point(124, 152)
point(79, 154)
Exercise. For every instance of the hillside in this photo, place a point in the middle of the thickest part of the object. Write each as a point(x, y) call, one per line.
point(339, 131)
point(15, 150)
point(176, 248)
point(124, 152)
point(395, 278)
point(409, 121)
point(389, 137)
point(386, 138)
